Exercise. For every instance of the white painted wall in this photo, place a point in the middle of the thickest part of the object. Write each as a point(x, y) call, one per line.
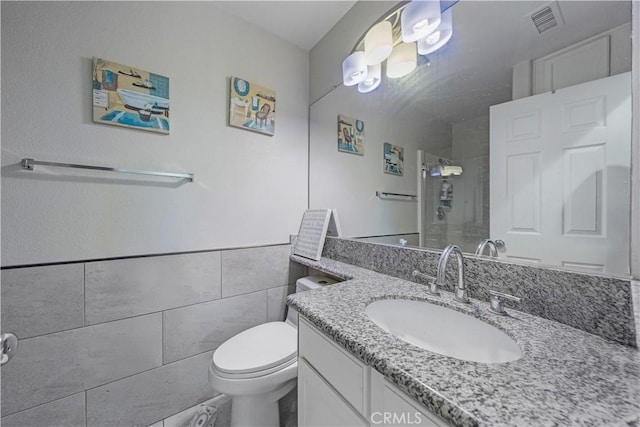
point(249, 189)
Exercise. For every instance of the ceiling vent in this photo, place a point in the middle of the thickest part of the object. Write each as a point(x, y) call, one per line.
point(547, 17)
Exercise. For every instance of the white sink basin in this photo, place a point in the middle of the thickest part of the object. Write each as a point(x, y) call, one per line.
point(443, 331)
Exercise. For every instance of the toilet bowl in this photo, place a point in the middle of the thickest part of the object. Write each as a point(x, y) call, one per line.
point(259, 366)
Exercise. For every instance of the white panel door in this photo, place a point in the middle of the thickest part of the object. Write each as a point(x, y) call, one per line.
point(560, 167)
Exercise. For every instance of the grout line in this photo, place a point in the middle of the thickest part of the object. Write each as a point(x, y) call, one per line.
point(266, 305)
point(160, 311)
point(221, 275)
point(44, 403)
point(84, 294)
point(151, 369)
point(162, 338)
point(104, 384)
point(86, 409)
point(150, 255)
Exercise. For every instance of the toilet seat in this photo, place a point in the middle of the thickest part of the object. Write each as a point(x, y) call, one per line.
point(257, 351)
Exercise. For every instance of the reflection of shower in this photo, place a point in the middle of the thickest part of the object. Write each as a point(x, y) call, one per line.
point(446, 193)
point(444, 168)
point(436, 197)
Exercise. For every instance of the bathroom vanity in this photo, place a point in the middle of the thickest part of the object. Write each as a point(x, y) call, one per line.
point(337, 389)
point(352, 372)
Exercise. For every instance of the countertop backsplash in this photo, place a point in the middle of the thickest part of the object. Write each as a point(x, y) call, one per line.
point(596, 304)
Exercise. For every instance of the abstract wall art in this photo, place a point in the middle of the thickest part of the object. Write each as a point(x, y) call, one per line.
point(130, 97)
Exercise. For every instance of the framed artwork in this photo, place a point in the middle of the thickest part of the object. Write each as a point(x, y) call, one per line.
point(130, 97)
point(252, 107)
point(393, 158)
point(350, 135)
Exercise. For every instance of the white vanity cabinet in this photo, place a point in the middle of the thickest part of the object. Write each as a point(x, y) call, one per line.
point(336, 389)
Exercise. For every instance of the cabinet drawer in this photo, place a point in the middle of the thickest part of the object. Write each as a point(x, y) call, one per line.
point(345, 373)
point(319, 404)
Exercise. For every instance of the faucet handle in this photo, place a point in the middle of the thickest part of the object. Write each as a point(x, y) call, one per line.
point(496, 302)
point(433, 283)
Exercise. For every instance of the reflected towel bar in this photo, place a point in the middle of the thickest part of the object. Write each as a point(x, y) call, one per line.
point(396, 196)
point(30, 163)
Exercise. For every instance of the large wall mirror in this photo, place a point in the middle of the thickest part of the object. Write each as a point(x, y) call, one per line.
point(508, 132)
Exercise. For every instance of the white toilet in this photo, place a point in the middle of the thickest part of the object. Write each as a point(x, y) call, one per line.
point(259, 366)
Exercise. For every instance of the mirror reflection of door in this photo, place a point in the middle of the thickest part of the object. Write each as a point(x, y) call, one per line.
point(560, 166)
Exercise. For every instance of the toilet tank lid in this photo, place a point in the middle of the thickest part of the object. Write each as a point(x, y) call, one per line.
point(313, 282)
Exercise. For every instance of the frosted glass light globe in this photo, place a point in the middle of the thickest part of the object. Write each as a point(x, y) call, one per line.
point(378, 43)
point(402, 60)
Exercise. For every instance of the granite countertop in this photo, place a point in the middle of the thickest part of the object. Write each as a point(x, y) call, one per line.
point(565, 376)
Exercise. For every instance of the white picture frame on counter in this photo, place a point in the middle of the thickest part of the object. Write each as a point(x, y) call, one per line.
point(315, 226)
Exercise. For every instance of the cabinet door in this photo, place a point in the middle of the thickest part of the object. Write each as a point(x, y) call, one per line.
point(343, 371)
point(319, 404)
point(392, 407)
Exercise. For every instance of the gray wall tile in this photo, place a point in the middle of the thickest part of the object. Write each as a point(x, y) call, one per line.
point(67, 412)
point(158, 424)
point(124, 288)
point(53, 366)
point(41, 300)
point(254, 269)
point(222, 403)
point(203, 327)
point(277, 302)
point(156, 394)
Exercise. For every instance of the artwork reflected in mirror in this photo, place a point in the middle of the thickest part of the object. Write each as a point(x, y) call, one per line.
point(350, 135)
point(510, 132)
point(393, 158)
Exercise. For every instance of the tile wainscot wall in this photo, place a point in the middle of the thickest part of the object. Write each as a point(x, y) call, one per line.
point(129, 341)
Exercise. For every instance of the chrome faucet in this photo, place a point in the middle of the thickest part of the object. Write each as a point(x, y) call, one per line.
point(433, 284)
point(461, 290)
point(493, 249)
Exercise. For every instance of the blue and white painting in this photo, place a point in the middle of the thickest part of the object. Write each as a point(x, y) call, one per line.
point(393, 159)
point(350, 135)
point(130, 97)
point(252, 107)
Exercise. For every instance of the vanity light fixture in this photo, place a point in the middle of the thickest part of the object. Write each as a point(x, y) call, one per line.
point(374, 76)
point(378, 43)
point(402, 60)
point(419, 19)
point(439, 37)
point(354, 69)
point(411, 28)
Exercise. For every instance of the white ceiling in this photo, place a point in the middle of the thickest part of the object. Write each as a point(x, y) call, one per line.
point(302, 23)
